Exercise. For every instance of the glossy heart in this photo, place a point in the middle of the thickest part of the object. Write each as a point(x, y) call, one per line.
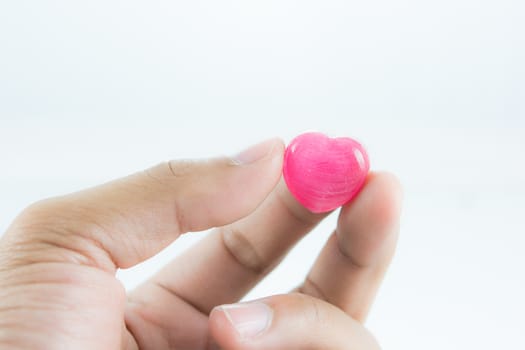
point(324, 173)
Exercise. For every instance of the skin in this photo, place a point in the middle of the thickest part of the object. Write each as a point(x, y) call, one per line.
point(59, 257)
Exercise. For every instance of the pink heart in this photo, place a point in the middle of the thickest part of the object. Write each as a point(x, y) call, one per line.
point(324, 173)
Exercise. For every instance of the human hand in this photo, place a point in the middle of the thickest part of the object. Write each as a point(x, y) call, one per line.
point(59, 257)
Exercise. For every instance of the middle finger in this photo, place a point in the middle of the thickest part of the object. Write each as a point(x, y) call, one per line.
point(226, 264)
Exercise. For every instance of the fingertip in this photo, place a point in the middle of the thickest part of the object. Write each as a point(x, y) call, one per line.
point(248, 325)
point(219, 327)
point(367, 228)
point(381, 198)
point(243, 181)
point(390, 183)
point(390, 193)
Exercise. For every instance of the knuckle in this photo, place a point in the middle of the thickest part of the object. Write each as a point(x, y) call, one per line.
point(309, 287)
point(55, 230)
point(57, 214)
point(322, 323)
point(164, 171)
point(243, 251)
point(38, 214)
point(313, 310)
point(180, 168)
point(170, 173)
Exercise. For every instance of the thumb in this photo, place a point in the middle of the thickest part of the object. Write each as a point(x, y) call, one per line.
point(123, 222)
point(287, 322)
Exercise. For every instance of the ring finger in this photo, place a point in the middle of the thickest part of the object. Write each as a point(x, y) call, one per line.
point(352, 264)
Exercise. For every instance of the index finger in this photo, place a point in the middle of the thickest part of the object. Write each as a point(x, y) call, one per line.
point(121, 223)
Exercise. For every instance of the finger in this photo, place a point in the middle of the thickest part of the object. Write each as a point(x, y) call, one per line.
point(352, 264)
point(292, 321)
point(126, 221)
point(231, 260)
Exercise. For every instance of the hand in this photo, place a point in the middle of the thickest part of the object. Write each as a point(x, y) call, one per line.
point(58, 261)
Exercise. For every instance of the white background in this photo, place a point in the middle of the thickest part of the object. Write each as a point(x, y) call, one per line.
point(93, 90)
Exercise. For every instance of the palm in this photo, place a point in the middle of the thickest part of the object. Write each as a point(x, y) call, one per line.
point(90, 310)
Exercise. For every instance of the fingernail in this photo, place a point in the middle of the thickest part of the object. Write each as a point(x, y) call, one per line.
point(256, 152)
point(249, 319)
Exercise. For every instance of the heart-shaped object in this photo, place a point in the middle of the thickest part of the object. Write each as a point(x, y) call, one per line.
point(324, 173)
